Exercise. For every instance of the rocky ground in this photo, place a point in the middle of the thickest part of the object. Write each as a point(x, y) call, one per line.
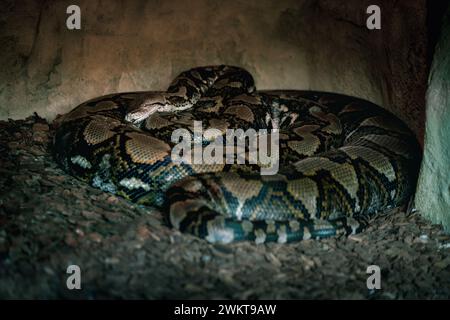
point(50, 220)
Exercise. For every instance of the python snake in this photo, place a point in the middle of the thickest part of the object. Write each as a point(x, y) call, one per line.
point(341, 159)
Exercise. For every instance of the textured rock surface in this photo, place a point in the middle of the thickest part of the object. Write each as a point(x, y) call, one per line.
point(433, 192)
point(142, 45)
point(49, 220)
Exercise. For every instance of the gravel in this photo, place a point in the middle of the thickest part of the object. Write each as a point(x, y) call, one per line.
point(50, 220)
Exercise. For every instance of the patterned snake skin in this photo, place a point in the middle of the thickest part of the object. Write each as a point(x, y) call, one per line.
point(342, 159)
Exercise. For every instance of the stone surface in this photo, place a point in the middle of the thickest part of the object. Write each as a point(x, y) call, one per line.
point(142, 45)
point(433, 191)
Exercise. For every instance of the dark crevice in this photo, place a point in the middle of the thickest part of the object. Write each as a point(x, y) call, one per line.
point(435, 14)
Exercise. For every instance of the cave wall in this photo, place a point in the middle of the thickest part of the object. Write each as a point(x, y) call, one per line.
point(142, 45)
point(433, 191)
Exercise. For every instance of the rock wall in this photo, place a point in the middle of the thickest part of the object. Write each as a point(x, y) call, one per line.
point(142, 45)
point(433, 191)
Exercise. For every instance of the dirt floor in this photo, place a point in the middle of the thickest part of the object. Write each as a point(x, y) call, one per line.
point(50, 220)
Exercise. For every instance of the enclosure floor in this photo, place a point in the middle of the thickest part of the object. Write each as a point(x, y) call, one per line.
point(50, 220)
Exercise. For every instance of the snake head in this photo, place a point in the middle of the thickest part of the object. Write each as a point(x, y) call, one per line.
point(146, 105)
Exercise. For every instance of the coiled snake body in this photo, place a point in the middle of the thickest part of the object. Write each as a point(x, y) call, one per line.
point(341, 159)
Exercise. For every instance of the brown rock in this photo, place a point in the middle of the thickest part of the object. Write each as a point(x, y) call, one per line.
point(96, 237)
point(40, 127)
point(89, 214)
point(112, 200)
point(70, 240)
point(142, 232)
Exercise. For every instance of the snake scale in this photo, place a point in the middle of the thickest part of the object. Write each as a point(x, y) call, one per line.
point(341, 159)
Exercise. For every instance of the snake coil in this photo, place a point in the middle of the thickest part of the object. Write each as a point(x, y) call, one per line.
point(341, 159)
